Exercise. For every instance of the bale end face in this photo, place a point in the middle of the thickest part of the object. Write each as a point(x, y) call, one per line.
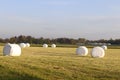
point(98, 52)
point(82, 51)
point(11, 50)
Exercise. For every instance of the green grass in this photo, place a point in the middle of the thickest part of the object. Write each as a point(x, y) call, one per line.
point(69, 45)
point(37, 63)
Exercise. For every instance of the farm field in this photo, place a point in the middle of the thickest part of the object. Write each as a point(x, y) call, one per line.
point(37, 63)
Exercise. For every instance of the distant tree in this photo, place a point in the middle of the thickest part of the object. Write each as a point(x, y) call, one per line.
point(81, 40)
point(22, 38)
point(102, 41)
point(111, 41)
point(13, 40)
point(48, 41)
point(73, 41)
point(29, 39)
point(41, 40)
point(117, 41)
point(1, 40)
point(54, 41)
point(6, 40)
point(61, 40)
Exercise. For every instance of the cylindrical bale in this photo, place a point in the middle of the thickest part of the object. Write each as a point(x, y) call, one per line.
point(45, 45)
point(82, 51)
point(98, 52)
point(22, 45)
point(27, 45)
point(104, 47)
point(53, 46)
point(11, 50)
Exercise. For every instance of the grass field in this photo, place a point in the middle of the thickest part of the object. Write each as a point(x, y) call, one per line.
point(37, 63)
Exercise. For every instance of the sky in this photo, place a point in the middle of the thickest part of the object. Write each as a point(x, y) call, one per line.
point(90, 19)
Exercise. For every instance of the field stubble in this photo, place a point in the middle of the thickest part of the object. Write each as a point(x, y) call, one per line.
point(37, 63)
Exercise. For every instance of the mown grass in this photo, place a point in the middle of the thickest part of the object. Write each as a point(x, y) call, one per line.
point(37, 63)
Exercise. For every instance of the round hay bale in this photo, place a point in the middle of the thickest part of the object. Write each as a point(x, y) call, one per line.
point(98, 52)
point(45, 45)
point(53, 46)
point(104, 47)
point(22, 45)
point(27, 45)
point(82, 51)
point(12, 50)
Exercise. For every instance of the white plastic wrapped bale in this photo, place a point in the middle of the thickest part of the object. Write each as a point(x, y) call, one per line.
point(82, 51)
point(104, 47)
point(27, 45)
point(45, 45)
point(22, 45)
point(11, 50)
point(53, 46)
point(98, 52)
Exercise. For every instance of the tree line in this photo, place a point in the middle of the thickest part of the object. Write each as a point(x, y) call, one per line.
point(41, 40)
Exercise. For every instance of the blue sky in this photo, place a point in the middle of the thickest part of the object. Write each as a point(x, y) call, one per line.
point(90, 19)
